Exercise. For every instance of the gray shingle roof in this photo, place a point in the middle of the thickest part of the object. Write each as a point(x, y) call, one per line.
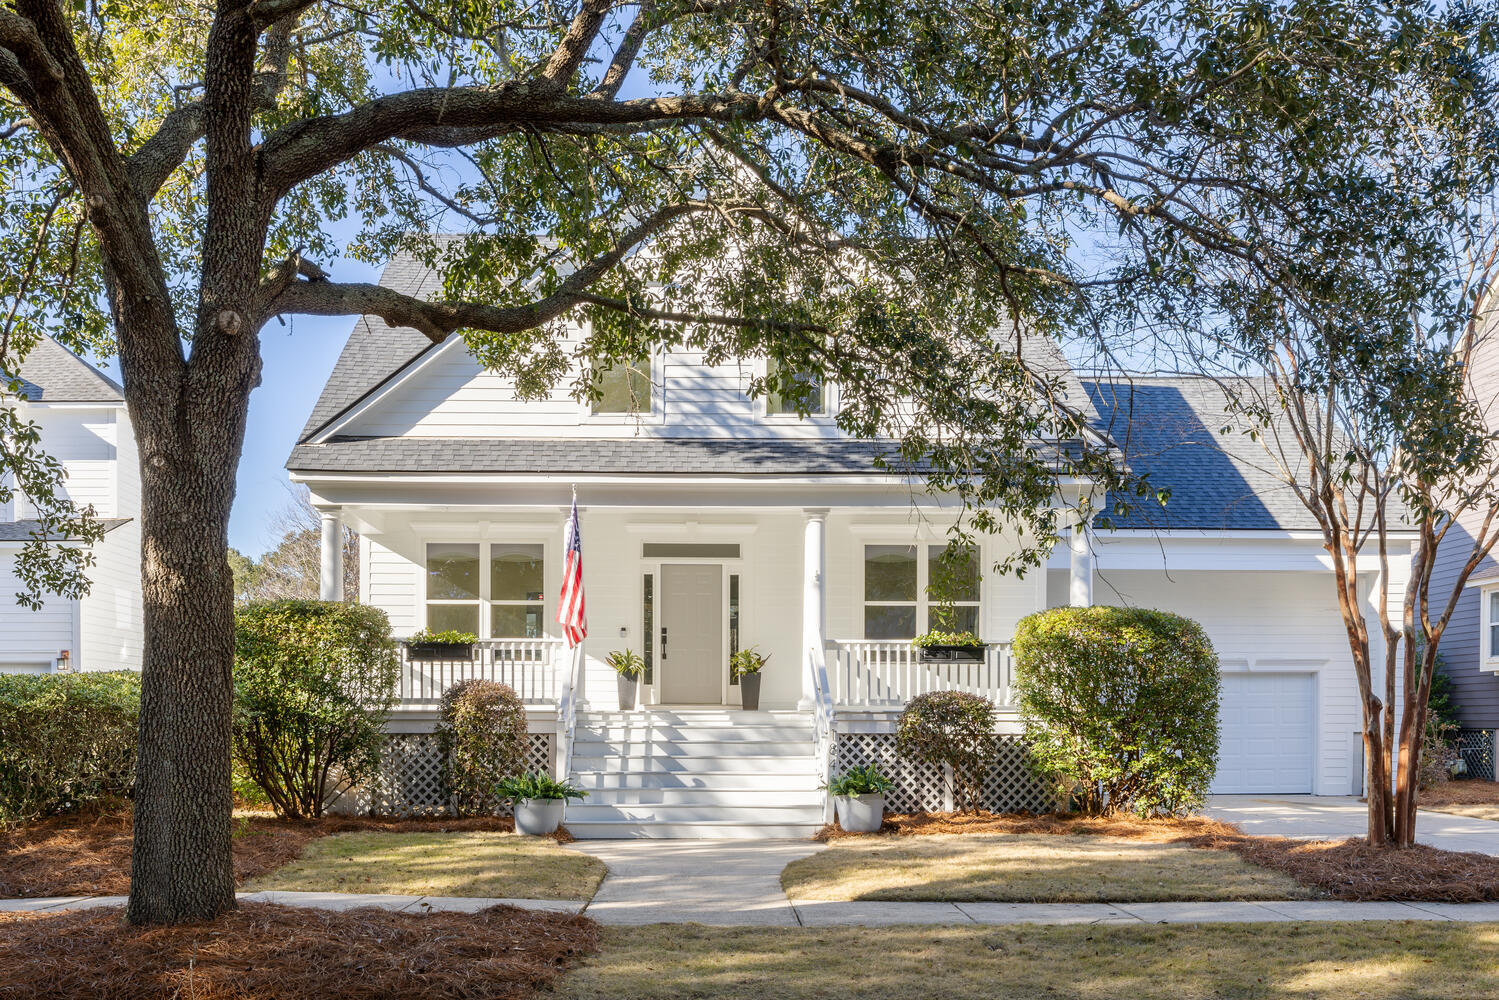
point(374, 351)
point(21, 531)
point(627, 456)
point(1169, 428)
point(53, 374)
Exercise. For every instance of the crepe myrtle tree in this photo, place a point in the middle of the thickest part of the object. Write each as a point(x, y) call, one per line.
point(879, 194)
point(1365, 382)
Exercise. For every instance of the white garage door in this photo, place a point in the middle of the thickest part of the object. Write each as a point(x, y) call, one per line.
point(1265, 734)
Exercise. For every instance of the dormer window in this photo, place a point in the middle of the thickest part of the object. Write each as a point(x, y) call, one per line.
point(626, 388)
point(806, 394)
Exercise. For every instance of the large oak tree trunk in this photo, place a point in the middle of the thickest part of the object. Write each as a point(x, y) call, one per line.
point(189, 421)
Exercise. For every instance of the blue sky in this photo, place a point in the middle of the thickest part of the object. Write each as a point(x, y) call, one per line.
point(298, 358)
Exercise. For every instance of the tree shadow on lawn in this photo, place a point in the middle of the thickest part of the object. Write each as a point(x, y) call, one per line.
point(1372, 961)
point(1021, 868)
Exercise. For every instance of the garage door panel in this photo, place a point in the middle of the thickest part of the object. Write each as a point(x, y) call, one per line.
point(1265, 734)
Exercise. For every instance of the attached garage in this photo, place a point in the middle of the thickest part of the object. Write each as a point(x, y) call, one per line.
point(1267, 739)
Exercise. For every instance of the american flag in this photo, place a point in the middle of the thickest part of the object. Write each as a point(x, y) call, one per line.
point(571, 613)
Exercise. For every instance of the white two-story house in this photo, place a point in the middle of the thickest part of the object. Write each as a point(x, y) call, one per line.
point(84, 425)
point(712, 521)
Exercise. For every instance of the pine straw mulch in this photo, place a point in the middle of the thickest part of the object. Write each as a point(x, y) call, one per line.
point(89, 854)
point(1348, 870)
point(284, 953)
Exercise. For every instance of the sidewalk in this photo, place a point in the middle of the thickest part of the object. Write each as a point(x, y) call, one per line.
point(816, 914)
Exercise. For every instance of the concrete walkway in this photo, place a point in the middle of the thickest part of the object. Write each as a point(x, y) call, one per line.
point(722, 882)
point(1317, 817)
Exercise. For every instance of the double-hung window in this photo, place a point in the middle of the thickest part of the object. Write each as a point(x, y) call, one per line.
point(806, 393)
point(897, 604)
point(626, 388)
point(494, 590)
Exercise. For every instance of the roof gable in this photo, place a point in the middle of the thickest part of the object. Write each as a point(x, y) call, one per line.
point(53, 374)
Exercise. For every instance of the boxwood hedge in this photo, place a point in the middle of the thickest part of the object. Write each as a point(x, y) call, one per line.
point(67, 741)
point(1120, 706)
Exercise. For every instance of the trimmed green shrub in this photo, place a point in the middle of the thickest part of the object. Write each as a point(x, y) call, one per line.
point(313, 684)
point(1120, 706)
point(954, 729)
point(481, 731)
point(66, 741)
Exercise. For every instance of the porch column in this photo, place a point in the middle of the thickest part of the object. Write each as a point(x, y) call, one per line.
point(1080, 591)
point(814, 603)
point(331, 579)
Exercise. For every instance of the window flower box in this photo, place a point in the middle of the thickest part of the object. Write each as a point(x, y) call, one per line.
point(945, 647)
point(440, 646)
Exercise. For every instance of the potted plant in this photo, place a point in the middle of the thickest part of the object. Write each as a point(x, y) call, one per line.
point(859, 798)
point(745, 666)
point(427, 645)
point(538, 800)
point(950, 647)
point(628, 666)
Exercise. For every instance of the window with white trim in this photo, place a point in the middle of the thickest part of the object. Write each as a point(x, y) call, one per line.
point(807, 393)
point(897, 604)
point(626, 388)
point(1491, 621)
point(503, 600)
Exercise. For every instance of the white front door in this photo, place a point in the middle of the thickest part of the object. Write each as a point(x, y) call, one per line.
point(1266, 733)
point(692, 651)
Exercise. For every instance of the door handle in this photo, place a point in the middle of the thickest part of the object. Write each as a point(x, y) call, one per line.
point(663, 642)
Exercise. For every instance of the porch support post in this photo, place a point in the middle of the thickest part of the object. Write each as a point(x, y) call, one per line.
point(331, 579)
point(1080, 542)
point(814, 603)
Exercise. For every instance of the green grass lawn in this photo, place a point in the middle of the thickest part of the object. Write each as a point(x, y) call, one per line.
point(1028, 868)
point(1370, 961)
point(439, 864)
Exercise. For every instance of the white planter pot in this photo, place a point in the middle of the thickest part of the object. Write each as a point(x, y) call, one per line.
point(860, 813)
point(538, 817)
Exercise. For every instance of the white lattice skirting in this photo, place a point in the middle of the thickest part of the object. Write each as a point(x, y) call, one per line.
point(412, 780)
point(1009, 787)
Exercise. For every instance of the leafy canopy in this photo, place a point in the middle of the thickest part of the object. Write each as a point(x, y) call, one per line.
point(877, 194)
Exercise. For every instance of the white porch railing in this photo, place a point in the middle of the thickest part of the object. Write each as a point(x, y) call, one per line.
point(529, 666)
point(888, 673)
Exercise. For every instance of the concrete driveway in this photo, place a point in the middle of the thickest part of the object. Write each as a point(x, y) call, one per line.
point(1331, 817)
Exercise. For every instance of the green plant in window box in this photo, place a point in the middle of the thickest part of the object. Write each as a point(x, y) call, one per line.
point(628, 665)
point(939, 646)
point(428, 645)
point(744, 667)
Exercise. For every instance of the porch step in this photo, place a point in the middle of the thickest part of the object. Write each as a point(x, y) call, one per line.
point(721, 830)
point(699, 780)
point(696, 773)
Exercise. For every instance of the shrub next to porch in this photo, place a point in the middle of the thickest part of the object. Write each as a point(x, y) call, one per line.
point(481, 732)
point(313, 683)
point(1121, 706)
point(955, 729)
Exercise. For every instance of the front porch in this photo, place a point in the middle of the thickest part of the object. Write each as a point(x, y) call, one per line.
point(832, 596)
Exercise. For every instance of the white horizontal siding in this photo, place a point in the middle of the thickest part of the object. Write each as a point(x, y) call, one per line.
point(450, 396)
point(88, 443)
point(26, 636)
point(1265, 622)
point(111, 624)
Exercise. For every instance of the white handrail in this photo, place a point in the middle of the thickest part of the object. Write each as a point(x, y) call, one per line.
point(822, 719)
point(889, 673)
point(567, 714)
point(526, 665)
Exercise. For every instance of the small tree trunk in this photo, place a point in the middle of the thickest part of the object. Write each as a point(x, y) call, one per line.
point(1377, 789)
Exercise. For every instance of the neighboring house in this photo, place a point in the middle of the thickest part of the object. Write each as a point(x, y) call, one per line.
point(84, 425)
point(1470, 646)
point(711, 521)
